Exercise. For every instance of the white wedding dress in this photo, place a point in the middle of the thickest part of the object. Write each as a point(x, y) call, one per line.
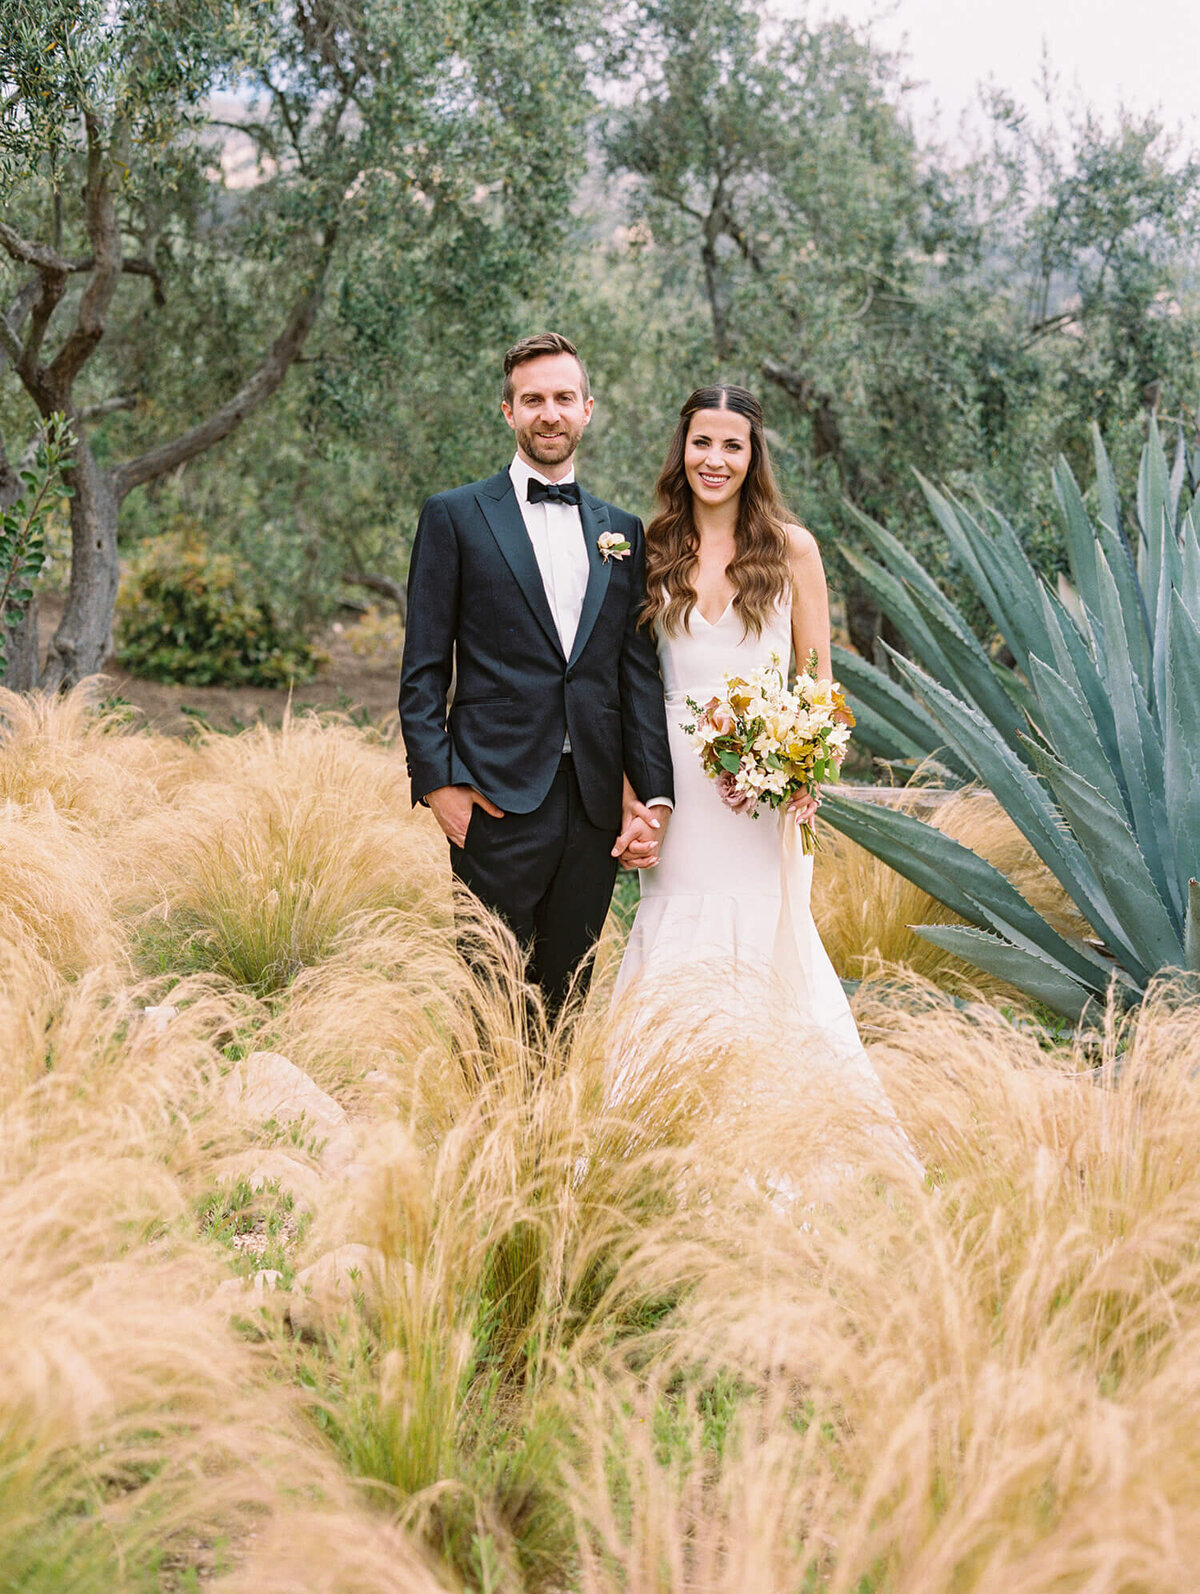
point(730, 894)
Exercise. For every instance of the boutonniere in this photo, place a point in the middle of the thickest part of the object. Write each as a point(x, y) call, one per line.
point(611, 546)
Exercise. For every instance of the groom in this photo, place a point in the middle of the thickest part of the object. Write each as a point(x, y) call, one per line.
point(527, 689)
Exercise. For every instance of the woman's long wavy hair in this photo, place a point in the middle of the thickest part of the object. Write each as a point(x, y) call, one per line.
point(759, 570)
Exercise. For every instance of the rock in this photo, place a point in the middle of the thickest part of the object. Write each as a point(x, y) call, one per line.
point(323, 1291)
point(258, 1168)
point(261, 1289)
point(265, 1085)
point(157, 1018)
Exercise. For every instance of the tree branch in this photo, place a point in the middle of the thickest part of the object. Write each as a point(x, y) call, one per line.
point(105, 235)
point(109, 406)
point(250, 397)
point(393, 591)
point(30, 253)
point(136, 266)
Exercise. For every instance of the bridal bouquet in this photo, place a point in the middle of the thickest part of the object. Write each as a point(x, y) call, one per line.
point(763, 744)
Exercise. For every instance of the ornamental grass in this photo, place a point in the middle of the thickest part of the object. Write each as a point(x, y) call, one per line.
point(701, 1333)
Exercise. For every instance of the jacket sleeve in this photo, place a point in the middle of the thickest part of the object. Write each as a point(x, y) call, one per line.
point(428, 665)
point(643, 711)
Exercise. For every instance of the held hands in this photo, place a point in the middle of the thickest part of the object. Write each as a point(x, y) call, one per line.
point(642, 831)
point(452, 805)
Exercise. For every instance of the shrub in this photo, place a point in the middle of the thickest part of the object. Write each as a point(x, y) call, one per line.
point(189, 615)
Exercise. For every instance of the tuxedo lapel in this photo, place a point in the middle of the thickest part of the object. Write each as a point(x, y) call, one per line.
point(498, 502)
point(593, 517)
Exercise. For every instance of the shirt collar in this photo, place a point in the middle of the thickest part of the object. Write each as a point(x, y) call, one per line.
point(522, 474)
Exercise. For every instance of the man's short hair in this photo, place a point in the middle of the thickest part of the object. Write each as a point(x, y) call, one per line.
point(531, 349)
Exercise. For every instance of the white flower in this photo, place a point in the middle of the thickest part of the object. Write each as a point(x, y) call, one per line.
point(612, 546)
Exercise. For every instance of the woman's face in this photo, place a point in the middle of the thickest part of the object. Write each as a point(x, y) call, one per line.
point(716, 455)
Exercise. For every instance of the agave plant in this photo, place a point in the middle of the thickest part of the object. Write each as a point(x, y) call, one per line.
point(1091, 741)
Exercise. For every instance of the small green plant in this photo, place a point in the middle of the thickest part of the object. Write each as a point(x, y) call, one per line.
point(188, 615)
point(23, 527)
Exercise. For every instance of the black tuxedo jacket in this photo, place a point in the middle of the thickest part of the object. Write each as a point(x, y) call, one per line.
point(478, 612)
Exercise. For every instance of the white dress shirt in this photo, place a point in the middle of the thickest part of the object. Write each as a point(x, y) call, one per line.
point(556, 532)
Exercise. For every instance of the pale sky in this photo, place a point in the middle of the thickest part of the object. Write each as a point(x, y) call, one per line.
point(1143, 53)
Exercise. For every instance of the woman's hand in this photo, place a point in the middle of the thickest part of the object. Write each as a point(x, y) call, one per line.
point(803, 806)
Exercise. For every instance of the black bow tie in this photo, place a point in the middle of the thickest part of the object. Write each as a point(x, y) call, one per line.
point(552, 492)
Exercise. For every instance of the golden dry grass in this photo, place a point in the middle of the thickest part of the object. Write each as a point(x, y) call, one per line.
point(709, 1336)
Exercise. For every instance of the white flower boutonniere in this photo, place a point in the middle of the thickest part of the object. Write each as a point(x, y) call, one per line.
point(611, 546)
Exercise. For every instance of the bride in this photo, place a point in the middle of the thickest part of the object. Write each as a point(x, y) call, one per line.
point(731, 580)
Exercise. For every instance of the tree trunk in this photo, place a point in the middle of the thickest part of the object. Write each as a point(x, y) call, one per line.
point(21, 651)
point(20, 639)
point(83, 640)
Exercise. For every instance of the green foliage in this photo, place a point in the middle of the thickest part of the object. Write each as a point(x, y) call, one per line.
point(895, 306)
point(1090, 742)
point(23, 526)
point(191, 616)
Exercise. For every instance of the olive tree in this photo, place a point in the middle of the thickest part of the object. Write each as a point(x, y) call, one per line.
point(405, 129)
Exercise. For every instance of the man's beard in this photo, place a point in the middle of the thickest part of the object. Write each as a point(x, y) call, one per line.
point(549, 450)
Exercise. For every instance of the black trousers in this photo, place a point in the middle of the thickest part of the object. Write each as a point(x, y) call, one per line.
point(548, 874)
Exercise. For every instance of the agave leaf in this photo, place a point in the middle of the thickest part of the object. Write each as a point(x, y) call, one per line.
point(1191, 941)
point(1153, 501)
point(896, 602)
point(958, 877)
point(1189, 581)
point(1064, 721)
point(1038, 976)
point(1023, 797)
point(1147, 934)
point(1136, 615)
point(893, 712)
point(1020, 585)
point(1178, 472)
point(973, 670)
point(1080, 537)
point(880, 736)
point(967, 550)
point(896, 556)
point(1106, 486)
point(1140, 749)
point(1078, 668)
point(990, 551)
point(1181, 718)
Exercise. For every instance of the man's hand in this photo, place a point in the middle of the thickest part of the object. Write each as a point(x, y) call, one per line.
point(642, 832)
point(452, 806)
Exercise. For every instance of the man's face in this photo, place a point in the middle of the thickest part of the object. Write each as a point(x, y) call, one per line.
point(548, 412)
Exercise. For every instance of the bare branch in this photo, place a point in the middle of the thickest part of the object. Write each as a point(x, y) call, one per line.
point(250, 397)
point(794, 383)
point(30, 253)
point(393, 591)
point(109, 406)
point(136, 266)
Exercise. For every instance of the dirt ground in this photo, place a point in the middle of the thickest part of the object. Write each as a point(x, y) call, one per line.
point(363, 686)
